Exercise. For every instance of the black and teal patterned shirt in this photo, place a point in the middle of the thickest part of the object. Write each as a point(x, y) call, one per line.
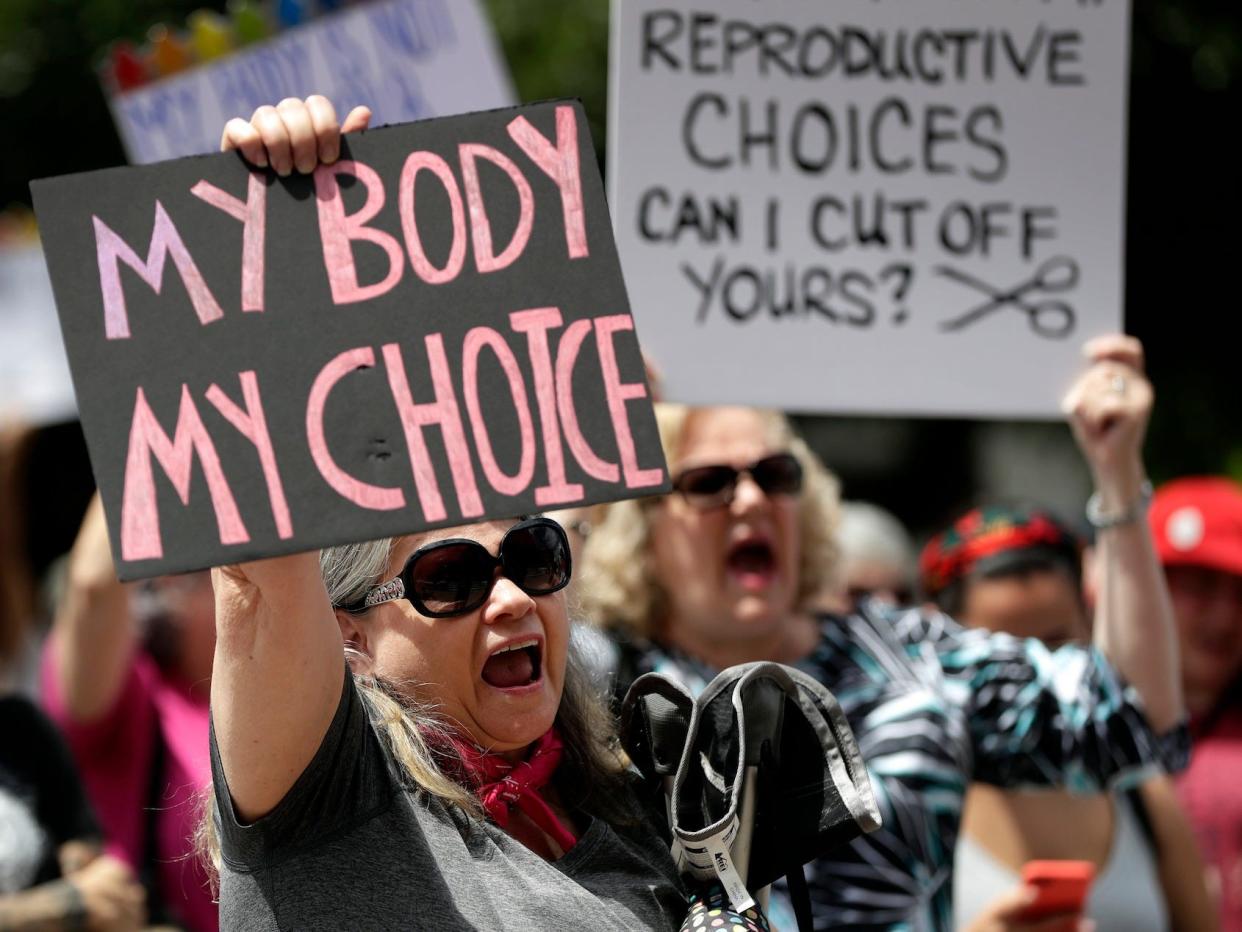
point(936, 706)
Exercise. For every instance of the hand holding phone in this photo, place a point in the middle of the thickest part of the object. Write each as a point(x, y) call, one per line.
point(1062, 887)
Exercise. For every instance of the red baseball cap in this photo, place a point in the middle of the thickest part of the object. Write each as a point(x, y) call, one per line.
point(1198, 522)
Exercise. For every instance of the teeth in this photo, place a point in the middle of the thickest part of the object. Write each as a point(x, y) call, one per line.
point(520, 645)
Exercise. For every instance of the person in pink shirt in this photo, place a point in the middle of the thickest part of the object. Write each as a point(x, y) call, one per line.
point(1197, 527)
point(127, 676)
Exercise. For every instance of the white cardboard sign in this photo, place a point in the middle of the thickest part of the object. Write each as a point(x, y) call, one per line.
point(872, 206)
point(35, 388)
point(405, 59)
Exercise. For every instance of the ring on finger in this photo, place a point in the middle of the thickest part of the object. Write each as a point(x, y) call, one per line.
point(1118, 385)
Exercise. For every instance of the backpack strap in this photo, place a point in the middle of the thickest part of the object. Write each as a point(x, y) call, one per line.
point(799, 893)
point(1134, 798)
point(149, 872)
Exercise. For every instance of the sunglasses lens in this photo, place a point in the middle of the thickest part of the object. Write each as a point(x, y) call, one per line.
point(706, 482)
point(450, 580)
point(778, 475)
point(536, 557)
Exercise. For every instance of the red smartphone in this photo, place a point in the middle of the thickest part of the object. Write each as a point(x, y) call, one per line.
point(1062, 887)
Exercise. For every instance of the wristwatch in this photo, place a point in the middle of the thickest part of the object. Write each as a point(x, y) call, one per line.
point(1102, 520)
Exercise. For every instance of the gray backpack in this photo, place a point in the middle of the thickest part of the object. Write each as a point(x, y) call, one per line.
point(761, 773)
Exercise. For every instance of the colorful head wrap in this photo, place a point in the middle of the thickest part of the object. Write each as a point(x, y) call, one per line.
point(983, 534)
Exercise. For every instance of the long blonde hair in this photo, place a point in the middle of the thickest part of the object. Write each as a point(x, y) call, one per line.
point(619, 588)
point(591, 776)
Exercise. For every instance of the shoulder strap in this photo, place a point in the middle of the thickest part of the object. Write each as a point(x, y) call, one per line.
point(799, 893)
point(629, 667)
point(1138, 805)
point(149, 872)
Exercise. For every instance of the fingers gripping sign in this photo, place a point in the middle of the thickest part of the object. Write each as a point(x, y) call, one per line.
point(294, 134)
point(282, 384)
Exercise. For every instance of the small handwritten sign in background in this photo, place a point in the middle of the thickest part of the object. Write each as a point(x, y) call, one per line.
point(405, 59)
point(34, 379)
point(429, 332)
point(870, 205)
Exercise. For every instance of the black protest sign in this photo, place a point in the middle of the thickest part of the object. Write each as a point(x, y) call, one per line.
point(431, 331)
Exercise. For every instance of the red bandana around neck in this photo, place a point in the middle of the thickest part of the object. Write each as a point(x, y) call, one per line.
point(501, 785)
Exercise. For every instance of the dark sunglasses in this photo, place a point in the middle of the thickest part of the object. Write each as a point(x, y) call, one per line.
point(706, 487)
point(453, 577)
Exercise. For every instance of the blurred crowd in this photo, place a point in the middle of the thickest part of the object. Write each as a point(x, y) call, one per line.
point(1039, 697)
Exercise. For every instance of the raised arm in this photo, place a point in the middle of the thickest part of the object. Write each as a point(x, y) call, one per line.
point(277, 675)
point(1108, 410)
point(279, 663)
point(94, 631)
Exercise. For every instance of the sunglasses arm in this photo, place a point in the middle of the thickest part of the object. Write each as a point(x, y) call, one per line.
point(385, 592)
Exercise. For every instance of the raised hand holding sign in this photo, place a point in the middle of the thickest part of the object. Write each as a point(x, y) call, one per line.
point(281, 372)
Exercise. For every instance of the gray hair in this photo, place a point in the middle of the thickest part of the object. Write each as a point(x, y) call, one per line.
point(351, 569)
point(867, 532)
point(591, 776)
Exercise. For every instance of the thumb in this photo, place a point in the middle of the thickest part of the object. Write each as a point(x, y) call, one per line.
point(1012, 904)
point(359, 118)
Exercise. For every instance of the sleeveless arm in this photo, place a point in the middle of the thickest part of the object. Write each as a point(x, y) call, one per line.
point(277, 676)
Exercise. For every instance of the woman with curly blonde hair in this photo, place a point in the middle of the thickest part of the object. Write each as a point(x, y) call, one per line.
point(729, 569)
point(635, 554)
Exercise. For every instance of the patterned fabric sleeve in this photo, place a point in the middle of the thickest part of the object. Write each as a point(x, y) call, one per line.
point(1046, 718)
point(935, 706)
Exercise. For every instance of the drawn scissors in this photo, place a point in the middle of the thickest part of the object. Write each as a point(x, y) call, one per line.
point(1049, 317)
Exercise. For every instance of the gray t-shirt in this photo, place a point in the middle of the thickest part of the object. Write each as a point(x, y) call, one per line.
point(350, 847)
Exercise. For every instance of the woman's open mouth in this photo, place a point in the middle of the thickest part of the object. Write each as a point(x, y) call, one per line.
point(752, 562)
point(515, 665)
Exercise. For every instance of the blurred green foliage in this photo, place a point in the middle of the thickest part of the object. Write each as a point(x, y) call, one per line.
point(557, 49)
point(1184, 204)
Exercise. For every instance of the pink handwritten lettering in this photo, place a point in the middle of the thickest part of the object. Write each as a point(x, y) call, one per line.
point(338, 231)
point(535, 323)
point(485, 258)
point(560, 163)
point(111, 250)
point(252, 424)
point(252, 212)
point(443, 412)
point(351, 488)
point(140, 521)
point(566, 357)
point(476, 339)
point(409, 222)
point(618, 393)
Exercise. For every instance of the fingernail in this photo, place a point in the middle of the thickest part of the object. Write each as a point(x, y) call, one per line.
point(261, 160)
